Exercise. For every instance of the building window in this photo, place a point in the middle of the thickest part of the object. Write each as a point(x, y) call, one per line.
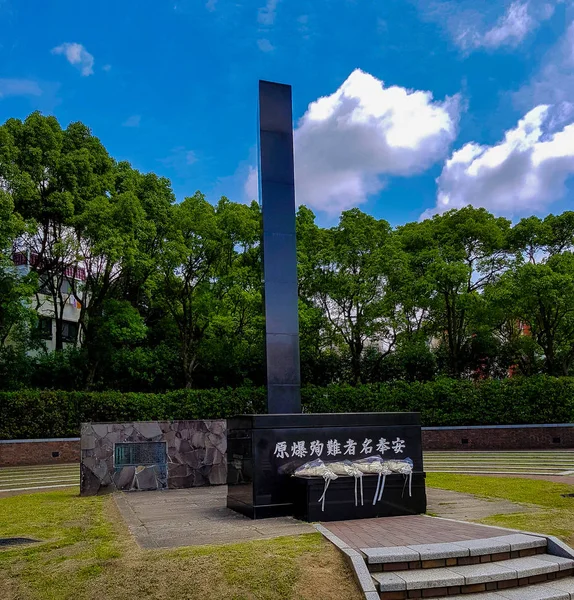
point(45, 328)
point(66, 287)
point(44, 285)
point(69, 331)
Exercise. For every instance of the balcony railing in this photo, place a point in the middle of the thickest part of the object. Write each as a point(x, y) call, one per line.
point(32, 259)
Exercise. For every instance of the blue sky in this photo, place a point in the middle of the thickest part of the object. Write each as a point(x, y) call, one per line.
point(403, 108)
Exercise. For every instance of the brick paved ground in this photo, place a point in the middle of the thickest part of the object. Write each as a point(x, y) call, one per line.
point(405, 531)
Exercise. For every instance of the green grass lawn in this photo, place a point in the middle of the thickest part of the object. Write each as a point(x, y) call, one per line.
point(87, 554)
point(554, 517)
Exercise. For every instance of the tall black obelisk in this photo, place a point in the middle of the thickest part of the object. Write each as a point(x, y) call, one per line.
point(277, 189)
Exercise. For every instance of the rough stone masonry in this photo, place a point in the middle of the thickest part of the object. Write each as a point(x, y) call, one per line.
point(194, 455)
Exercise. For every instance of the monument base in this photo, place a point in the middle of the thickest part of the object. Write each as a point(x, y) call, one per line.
point(340, 498)
point(264, 450)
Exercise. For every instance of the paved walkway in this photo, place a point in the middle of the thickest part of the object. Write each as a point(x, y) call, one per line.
point(196, 517)
point(199, 516)
point(466, 507)
point(406, 531)
point(412, 530)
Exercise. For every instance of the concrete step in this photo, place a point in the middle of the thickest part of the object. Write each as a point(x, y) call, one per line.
point(510, 462)
point(26, 468)
point(557, 450)
point(538, 466)
point(467, 579)
point(463, 553)
point(463, 471)
point(535, 464)
point(561, 589)
point(8, 484)
point(38, 487)
point(486, 471)
point(39, 476)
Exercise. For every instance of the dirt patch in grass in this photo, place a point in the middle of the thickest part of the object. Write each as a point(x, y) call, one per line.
point(88, 554)
point(318, 581)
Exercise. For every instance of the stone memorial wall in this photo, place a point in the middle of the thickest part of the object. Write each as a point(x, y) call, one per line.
point(152, 455)
point(265, 450)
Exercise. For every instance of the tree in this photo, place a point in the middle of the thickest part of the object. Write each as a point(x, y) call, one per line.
point(344, 273)
point(205, 275)
point(459, 253)
point(121, 236)
point(233, 346)
point(541, 296)
point(52, 176)
point(16, 288)
point(534, 239)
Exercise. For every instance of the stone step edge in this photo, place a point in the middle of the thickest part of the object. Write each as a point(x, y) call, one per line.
point(458, 561)
point(559, 589)
point(467, 548)
point(553, 588)
point(472, 578)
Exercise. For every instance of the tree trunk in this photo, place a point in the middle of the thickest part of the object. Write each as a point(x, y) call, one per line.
point(356, 352)
point(91, 374)
point(189, 364)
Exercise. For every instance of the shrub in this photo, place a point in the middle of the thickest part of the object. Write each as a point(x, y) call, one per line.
point(444, 402)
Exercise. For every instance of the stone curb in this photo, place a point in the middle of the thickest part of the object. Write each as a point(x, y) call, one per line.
point(40, 440)
point(135, 526)
point(355, 559)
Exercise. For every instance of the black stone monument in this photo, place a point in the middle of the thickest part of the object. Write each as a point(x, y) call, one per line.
point(277, 185)
point(263, 450)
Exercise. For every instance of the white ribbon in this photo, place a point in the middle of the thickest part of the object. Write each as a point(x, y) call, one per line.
point(322, 498)
point(410, 484)
point(382, 488)
point(327, 476)
point(360, 478)
point(377, 489)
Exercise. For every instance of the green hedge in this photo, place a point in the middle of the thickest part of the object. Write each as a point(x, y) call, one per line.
point(540, 399)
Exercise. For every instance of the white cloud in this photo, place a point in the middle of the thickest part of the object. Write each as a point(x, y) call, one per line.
point(180, 159)
point(210, 5)
point(348, 141)
point(511, 28)
point(495, 25)
point(266, 14)
point(251, 187)
point(554, 81)
point(523, 173)
point(303, 26)
point(78, 56)
point(19, 87)
point(107, 68)
point(265, 45)
point(133, 121)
